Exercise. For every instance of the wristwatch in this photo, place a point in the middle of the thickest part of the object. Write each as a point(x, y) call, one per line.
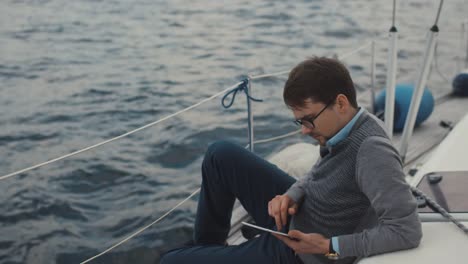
point(331, 252)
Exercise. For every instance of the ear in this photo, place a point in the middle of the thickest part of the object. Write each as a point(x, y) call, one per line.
point(342, 102)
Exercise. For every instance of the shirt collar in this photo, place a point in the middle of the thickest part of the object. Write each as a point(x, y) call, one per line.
point(344, 132)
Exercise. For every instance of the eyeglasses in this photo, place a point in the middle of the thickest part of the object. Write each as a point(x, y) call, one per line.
point(309, 122)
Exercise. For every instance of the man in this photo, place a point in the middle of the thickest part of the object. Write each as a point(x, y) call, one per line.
point(353, 203)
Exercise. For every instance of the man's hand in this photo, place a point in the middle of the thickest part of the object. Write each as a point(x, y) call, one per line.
point(306, 243)
point(279, 208)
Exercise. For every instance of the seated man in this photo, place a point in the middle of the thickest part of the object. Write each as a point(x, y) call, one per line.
point(353, 203)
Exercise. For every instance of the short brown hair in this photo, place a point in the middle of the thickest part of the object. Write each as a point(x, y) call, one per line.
point(319, 79)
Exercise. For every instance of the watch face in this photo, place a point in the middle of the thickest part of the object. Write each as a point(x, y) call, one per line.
point(332, 256)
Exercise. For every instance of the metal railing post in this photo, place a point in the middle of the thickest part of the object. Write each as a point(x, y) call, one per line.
point(465, 26)
point(391, 76)
point(250, 118)
point(372, 77)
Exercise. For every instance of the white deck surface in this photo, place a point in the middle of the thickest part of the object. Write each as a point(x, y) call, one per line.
point(442, 243)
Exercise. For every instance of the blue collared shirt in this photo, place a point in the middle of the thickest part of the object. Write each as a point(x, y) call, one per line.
point(342, 134)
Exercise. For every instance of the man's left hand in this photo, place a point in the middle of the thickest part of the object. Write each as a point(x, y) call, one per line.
point(312, 243)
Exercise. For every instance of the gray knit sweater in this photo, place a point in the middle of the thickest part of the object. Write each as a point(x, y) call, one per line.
point(357, 192)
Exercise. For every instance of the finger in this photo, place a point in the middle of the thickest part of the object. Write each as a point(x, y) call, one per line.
point(275, 208)
point(278, 221)
point(282, 238)
point(289, 242)
point(271, 207)
point(293, 209)
point(284, 212)
point(296, 234)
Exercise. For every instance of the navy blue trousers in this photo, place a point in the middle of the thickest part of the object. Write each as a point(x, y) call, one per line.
point(228, 172)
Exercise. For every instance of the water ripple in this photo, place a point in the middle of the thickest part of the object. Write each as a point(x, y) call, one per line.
point(90, 179)
point(40, 210)
point(26, 136)
point(93, 93)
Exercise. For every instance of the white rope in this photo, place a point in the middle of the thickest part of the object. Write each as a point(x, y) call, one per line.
point(179, 204)
point(342, 57)
point(276, 138)
point(143, 229)
point(119, 137)
point(346, 55)
point(382, 36)
point(268, 75)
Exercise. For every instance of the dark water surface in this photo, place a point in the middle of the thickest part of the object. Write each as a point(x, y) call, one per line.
point(74, 73)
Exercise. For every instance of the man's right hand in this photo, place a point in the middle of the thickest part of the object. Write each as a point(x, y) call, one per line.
point(279, 208)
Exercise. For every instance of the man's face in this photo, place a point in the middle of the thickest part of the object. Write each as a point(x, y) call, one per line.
point(325, 124)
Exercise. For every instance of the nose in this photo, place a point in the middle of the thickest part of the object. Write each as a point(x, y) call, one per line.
point(305, 130)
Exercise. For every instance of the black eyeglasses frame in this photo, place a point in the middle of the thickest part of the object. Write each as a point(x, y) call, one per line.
point(309, 122)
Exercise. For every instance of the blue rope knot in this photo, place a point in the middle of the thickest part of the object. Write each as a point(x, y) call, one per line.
point(241, 87)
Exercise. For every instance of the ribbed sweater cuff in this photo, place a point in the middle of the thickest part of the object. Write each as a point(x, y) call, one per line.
point(295, 193)
point(349, 246)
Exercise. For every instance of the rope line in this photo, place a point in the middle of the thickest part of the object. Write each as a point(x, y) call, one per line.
point(441, 3)
point(118, 137)
point(144, 228)
point(241, 87)
point(178, 205)
point(279, 137)
point(436, 207)
point(346, 55)
point(255, 77)
point(276, 138)
point(436, 63)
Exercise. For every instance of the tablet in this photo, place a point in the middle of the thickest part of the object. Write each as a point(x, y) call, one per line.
point(267, 230)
